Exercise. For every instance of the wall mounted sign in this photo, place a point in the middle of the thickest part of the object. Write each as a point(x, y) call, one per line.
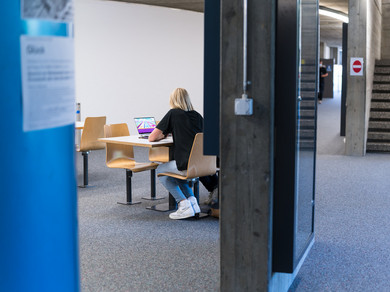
point(356, 67)
point(48, 88)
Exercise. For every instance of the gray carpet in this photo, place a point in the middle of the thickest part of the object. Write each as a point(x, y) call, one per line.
point(351, 249)
point(130, 248)
point(329, 141)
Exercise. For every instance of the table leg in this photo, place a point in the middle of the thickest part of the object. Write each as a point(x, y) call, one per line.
point(153, 187)
point(129, 200)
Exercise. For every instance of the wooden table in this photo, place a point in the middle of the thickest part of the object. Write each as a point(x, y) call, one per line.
point(136, 141)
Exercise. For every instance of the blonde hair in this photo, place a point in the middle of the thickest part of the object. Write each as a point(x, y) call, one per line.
point(179, 98)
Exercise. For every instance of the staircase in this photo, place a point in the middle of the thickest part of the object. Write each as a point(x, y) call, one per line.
point(307, 111)
point(378, 139)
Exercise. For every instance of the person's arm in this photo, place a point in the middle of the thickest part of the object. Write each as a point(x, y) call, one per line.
point(324, 72)
point(156, 135)
point(163, 128)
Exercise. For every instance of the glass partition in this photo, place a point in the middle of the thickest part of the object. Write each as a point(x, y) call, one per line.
point(306, 122)
point(295, 131)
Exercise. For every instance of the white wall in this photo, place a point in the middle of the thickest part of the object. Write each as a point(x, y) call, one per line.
point(130, 57)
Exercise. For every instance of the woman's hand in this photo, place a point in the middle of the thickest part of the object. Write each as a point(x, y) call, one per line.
point(156, 135)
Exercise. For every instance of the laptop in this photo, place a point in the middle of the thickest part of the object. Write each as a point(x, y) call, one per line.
point(145, 126)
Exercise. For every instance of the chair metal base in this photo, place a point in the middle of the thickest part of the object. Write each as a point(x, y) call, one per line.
point(129, 203)
point(153, 198)
point(165, 207)
point(86, 186)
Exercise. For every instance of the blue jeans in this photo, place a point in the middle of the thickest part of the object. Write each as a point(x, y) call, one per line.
point(180, 189)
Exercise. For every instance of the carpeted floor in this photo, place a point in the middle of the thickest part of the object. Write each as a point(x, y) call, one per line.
point(351, 251)
point(130, 248)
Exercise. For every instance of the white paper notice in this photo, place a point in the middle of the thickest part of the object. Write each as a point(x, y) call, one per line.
point(47, 82)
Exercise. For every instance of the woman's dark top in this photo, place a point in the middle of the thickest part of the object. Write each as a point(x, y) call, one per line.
point(183, 125)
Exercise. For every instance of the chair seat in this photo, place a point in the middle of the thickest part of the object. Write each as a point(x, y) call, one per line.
point(131, 164)
point(175, 175)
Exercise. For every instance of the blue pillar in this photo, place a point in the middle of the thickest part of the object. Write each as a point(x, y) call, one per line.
point(38, 195)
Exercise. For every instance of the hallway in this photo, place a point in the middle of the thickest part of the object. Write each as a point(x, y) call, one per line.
point(351, 249)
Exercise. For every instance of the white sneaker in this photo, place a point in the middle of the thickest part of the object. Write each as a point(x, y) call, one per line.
point(184, 210)
point(194, 203)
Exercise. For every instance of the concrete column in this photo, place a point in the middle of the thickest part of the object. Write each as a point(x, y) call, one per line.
point(334, 54)
point(324, 51)
point(246, 148)
point(365, 25)
point(356, 85)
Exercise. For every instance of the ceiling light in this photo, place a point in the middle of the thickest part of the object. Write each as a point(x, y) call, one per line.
point(333, 13)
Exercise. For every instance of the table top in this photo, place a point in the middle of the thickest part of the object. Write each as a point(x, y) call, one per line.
point(134, 140)
point(79, 125)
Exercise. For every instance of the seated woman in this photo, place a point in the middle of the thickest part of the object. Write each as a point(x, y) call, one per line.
point(183, 122)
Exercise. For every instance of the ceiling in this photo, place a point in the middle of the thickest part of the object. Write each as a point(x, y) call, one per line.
point(330, 29)
point(193, 5)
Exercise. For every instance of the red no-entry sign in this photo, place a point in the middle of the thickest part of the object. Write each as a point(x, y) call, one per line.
point(356, 67)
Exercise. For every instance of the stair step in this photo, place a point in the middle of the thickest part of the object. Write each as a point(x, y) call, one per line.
point(306, 134)
point(308, 78)
point(307, 113)
point(378, 136)
point(308, 69)
point(381, 96)
point(310, 95)
point(306, 145)
point(378, 147)
point(380, 115)
point(310, 85)
point(382, 78)
point(382, 70)
point(381, 87)
point(380, 105)
point(384, 62)
point(377, 125)
point(307, 123)
point(307, 104)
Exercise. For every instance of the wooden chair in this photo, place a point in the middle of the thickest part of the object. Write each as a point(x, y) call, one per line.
point(122, 156)
point(198, 165)
point(93, 129)
point(159, 154)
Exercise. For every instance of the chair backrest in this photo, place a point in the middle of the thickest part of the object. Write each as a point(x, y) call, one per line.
point(93, 129)
point(159, 154)
point(116, 151)
point(199, 164)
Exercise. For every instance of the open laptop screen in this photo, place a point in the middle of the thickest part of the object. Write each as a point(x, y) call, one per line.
point(145, 125)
